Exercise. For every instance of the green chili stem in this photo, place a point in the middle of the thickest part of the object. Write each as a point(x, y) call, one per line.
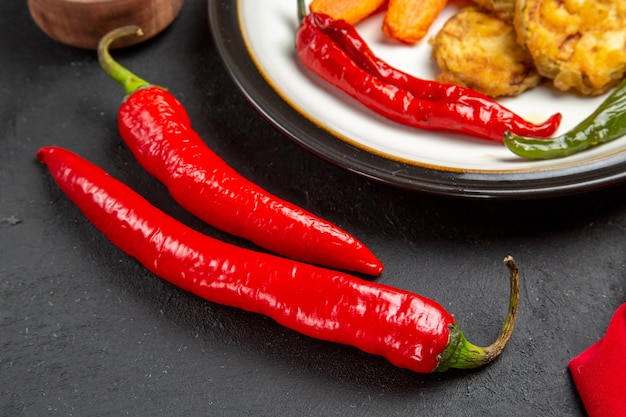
point(606, 123)
point(129, 81)
point(462, 354)
point(301, 10)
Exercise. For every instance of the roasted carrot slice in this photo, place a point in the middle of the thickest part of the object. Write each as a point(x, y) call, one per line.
point(408, 21)
point(352, 11)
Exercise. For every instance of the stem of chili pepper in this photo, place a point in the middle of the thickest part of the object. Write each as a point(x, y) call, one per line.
point(606, 123)
point(409, 330)
point(472, 356)
point(325, 45)
point(129, 81)
point(157, 130)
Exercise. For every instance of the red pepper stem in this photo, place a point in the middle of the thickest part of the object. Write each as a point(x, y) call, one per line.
point(462, 354)
point(124, 77)
point(301, 11)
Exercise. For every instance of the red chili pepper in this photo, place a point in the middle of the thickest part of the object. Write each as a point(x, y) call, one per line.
point(334, 50)
point(409, 330)
point(157, 129)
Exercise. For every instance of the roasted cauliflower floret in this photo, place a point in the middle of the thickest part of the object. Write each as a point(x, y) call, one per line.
point(479, 50)
point(580, 44)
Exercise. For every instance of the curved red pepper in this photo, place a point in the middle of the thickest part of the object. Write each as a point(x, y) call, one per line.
point(409, 330)
point(333, 50)
point(157, 129)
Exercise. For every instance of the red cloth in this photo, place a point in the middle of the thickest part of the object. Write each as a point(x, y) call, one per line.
point(600, 371)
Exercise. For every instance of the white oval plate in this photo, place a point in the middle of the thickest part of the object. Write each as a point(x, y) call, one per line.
point(256, 41)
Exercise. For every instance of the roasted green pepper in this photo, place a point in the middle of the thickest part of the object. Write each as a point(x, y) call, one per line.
point(606, 123)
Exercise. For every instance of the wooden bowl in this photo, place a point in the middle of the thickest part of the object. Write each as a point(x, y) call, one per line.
point(81, 23)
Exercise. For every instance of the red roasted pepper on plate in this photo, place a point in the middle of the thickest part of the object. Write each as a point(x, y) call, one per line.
point(409, 330)
point(334, 51)
point(157, 129)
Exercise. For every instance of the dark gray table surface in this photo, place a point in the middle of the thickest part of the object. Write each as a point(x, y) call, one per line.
point(86, 331)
